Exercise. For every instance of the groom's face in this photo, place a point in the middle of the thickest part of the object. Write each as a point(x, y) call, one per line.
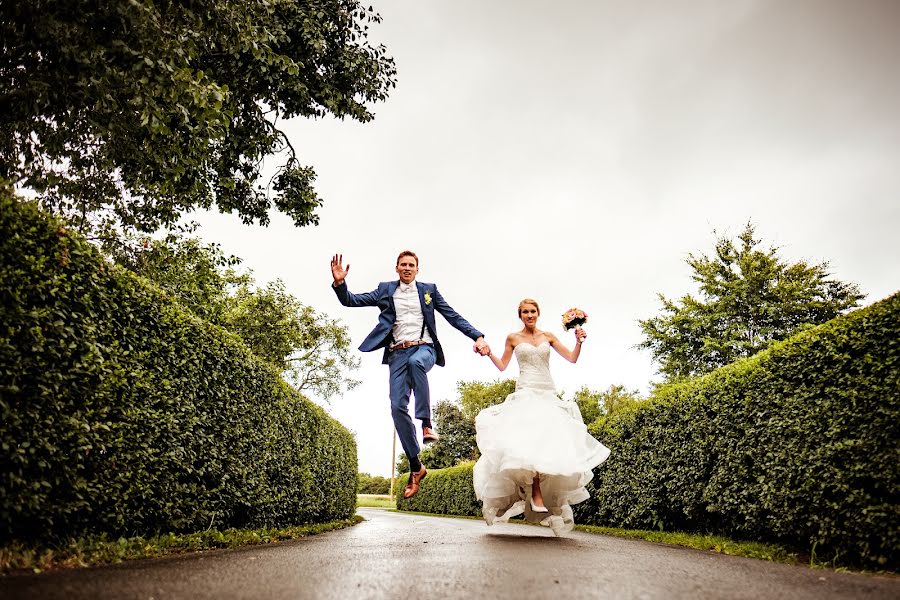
point(407, 268)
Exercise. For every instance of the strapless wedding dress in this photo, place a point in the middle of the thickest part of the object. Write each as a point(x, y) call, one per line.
point(531, 432)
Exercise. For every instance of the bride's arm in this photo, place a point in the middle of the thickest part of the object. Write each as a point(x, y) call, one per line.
point(569, 355)
point(502, 362)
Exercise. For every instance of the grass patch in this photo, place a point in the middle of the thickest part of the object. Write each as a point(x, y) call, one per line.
point(425, 514)
point(100, 550)
point(711, 543)
point(375, 501)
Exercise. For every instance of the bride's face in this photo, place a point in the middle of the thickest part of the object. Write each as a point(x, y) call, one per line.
point(529, 315)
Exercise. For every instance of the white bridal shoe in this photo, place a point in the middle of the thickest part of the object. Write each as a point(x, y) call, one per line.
point(536, 508)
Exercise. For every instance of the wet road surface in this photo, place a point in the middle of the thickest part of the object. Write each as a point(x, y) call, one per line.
point(398, 556)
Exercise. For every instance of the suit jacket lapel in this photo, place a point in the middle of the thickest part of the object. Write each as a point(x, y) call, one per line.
point(391, 290)
point(421, 289)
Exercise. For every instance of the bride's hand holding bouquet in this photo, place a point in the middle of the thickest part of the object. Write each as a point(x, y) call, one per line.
point(574, 318)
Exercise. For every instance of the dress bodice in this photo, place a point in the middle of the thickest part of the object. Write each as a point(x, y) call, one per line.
point(534, 366)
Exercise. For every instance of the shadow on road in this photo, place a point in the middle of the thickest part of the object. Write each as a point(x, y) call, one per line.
point(526, 540)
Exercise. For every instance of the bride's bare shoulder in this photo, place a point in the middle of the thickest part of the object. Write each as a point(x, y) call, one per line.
point(514, 339)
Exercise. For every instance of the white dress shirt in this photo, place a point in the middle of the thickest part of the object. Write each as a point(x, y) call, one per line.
point(408, 325)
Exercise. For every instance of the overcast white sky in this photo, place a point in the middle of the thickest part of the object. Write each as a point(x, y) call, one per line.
point(576, 152)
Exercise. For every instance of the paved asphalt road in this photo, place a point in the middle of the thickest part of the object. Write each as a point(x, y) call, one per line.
point(400, 556)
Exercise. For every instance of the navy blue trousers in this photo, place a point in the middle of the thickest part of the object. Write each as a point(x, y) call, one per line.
point(409, 373)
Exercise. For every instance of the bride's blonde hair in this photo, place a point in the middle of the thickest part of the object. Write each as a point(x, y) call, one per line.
point(526, 302)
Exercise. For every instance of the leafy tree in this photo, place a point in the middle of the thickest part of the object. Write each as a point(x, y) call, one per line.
point(612, 400)
point(749, 298)
point(133, 112)
point(474, 396)
point(617, 398)
point(312, 350)
point(198, 274)
point(372, 484)
point(588, 403)
point(456, 444)
point(457, 441)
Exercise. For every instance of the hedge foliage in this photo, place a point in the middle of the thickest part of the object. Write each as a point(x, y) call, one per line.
point(443, 491)
point(799, 444)
point(125, 414)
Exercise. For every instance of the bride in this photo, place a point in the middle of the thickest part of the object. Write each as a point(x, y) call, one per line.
point(536, 453)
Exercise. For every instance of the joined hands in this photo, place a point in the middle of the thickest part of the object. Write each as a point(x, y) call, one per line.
point(481, 347)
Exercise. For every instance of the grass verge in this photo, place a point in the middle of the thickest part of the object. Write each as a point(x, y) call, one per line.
point(375, 501)
point(100, 550)
point(711, 543)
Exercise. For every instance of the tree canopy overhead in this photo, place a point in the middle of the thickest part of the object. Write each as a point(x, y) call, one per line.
point(749, 298)
point(136, 111)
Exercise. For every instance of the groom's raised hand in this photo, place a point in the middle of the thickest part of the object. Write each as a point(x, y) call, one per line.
point(338, 271)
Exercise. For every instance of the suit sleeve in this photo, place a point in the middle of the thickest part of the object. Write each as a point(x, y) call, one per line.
point(348, 299)
point(454, 318)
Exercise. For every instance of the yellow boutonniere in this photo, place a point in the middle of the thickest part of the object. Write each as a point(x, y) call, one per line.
point(427, 297)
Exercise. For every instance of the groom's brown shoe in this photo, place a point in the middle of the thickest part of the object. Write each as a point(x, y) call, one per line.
point(412, 488)
point(429, 435)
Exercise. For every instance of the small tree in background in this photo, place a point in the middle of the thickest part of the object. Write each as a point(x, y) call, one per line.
point(588, 403)
point(372, 484)
point(612, 400)
point(312, 350)
point(475, 396)
point(749, 298)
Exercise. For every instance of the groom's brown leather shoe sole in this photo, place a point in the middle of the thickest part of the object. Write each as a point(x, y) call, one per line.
point(429, 436)
point(412, 488)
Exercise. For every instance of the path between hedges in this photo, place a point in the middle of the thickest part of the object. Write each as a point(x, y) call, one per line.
point(453, 558)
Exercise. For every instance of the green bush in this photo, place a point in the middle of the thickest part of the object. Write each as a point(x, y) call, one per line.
point(443, 491)
point(125, 414)
point(796, 445)
point(373, 484)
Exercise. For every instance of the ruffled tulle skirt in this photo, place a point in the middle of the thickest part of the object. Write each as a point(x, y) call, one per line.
point(533, 432)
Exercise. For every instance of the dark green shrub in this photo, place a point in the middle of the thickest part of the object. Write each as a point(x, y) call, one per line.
point(799, 444)
point(443, 491)
point(124, 414)
point(373, 484)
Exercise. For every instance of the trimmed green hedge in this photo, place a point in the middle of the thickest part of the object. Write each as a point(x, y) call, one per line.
point(799, 444)
point(125, 414)
point(443, 491)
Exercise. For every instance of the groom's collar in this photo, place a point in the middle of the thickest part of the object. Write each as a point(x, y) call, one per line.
point(406, 286)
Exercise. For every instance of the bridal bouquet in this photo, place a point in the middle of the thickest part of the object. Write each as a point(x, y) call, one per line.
point(574, 317)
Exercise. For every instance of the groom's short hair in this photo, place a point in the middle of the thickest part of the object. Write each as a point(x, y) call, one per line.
point(408, 253)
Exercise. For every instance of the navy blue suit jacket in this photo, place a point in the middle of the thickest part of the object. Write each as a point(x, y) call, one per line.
point(430, 300)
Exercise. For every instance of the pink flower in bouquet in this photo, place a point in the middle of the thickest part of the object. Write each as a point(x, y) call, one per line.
point(574, 317)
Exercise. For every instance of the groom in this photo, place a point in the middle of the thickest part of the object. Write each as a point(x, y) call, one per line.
point(407, 331)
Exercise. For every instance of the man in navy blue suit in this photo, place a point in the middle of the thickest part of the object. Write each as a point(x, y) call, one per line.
point(407, 331)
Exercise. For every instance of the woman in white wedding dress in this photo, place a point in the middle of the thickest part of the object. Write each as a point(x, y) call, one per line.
point(536, 453)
